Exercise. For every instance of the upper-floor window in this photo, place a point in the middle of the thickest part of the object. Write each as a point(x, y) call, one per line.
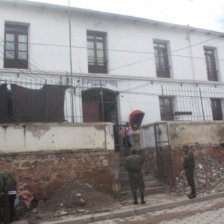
point(97, 60)
point(161, 58)
point(216, 107)
point(166, 108)
point(16, 45)
point(211, 63)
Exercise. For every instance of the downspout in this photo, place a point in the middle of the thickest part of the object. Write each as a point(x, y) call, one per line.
point(190, 52)
point(70, 56)
point(195, 94)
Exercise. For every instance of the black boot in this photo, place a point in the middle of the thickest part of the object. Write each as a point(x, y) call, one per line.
point(193, 192)
point(190, 196)
point(142, 198)
point(135, 198)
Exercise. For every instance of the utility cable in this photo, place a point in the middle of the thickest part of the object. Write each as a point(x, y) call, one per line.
point(125, 51)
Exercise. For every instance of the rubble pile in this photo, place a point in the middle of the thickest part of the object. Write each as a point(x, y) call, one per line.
point(209, 177)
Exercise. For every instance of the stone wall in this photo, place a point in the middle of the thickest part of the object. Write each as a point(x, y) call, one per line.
point(215, 151)
point(172, 167)
point(43, 172)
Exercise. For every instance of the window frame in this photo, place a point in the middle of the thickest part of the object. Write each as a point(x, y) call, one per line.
point(159, 57)
point(211, 75)
point(216, 115)
point(163, 115)
point(17, 30)
point(94, 36)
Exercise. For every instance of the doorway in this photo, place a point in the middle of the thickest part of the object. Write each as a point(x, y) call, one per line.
point(100, 105)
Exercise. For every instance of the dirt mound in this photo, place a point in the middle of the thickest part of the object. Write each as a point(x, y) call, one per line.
point(209, 177)
point(75, 198)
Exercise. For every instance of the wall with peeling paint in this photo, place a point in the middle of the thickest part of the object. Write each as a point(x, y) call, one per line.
point(180, 133)
point(196, 133)
point(55, 136)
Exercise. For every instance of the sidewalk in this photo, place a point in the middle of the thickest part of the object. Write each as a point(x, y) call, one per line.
point(153, 203)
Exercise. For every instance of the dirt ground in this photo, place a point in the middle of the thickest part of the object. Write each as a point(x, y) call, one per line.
point(75, 198)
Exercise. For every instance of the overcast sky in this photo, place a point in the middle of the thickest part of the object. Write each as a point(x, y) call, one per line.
point(207, 14)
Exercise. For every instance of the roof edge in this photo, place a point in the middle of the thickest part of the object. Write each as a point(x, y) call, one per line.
point(114, 15)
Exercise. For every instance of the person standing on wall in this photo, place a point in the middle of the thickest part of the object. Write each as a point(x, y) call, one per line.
point(127, 139)
point(133, 165)
point(189, 164)
point(4, 201)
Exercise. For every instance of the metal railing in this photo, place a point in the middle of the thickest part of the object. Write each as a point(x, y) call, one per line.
point(95, 99)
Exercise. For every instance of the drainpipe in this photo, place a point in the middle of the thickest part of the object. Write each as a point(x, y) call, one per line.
point(195, 95)
point(102, 101)
point(190, 51)
point(70, 54)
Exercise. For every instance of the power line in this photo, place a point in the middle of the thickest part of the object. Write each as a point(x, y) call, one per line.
point(130, 51)
point(180, 49)
point(122, 50)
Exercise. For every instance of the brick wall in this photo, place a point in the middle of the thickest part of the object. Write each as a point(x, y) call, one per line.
point(42, 173)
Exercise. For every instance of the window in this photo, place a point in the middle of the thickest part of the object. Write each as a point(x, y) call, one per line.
point(166, 108)
point(210, 63)
point(161, 58)
point(16, 46)
point(97, 61)
point(216, 109)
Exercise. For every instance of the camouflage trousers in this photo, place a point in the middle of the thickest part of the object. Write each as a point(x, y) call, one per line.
point(190, 179)
point(4, 209)
point(136, 182)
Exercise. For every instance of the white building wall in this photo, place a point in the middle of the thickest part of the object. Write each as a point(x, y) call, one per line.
point(130, 44)
point(131, 59)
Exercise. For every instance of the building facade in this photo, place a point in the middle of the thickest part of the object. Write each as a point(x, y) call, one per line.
point(108, 65)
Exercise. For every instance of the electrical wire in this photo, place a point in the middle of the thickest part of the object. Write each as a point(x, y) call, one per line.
point(129, 51)
point(180, 49)
point(137, 62)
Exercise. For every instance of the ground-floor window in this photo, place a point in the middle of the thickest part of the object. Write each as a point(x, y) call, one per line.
point(216, 106)
point(166, 108)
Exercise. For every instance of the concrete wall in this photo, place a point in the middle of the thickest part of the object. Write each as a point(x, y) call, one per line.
point(179, 133)
point(148, 137)
point(33, 137)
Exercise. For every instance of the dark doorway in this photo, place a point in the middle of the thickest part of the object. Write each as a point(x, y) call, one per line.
point(100, 105)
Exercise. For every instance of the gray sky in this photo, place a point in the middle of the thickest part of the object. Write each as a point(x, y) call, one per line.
point(207, 14)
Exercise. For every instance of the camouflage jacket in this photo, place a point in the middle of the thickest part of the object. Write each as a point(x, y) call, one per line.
point(134, 163)
point(188, 161)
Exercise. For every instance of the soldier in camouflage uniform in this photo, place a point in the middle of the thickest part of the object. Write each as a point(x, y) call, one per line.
point(189, 164)
point(4, 201)
point(133, 165)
